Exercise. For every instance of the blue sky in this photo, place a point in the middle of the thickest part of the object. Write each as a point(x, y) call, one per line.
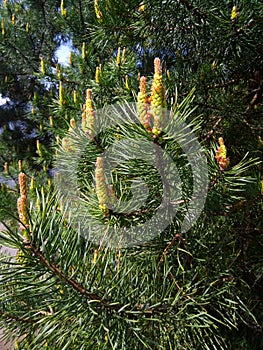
point(62, 55)
point(63, 52)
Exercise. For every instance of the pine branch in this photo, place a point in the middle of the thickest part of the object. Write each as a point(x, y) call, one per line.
point(194, 9)
point(52, 267)
point(225, 84)
point(17, 318)
point(81, 14)
point(177, 237)
point(130, 311)
point(42, 39)
point(209, 133)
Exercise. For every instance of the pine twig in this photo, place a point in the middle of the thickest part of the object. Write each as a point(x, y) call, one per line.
point(194, 9)
point(77, 286)
point(17, 318)
point(169, 246)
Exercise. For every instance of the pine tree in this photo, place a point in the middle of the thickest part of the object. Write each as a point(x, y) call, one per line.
point(131, 245)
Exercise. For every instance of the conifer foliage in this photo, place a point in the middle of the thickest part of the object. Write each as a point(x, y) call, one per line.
point(137, 174)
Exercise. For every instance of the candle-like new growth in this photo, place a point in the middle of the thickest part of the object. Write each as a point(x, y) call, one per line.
point(127, 82)
point(39, 150)
point(98, 74)
point(221, 155)
point(141, 7)
point(123, 54)
point(157, 98)
point(65, 144)
point(75, 96)
point(62, 9)
point(22, 205)
point(70, 58)
point(20, 165)
point(22, 184)
point(234, 14)
point(32, 184)
point(6, 168)
point(60, 94)
point(101, 188)
point(72, 124)
point(118, 59)
point(51, 121)
point(42, 64)
point(58, 72)
point(3, 27)
point(97, 10)
point(83, 51)
point(143, 105)
point(95, 256)
point(88, 115)
point(105, 192)
point(22, 212)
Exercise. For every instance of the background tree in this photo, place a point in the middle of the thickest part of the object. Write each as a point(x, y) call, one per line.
point(214, 47)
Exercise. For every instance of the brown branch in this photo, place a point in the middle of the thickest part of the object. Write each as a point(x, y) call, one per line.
point(194, 9)
point(181, 240)
point(17, 318)
point(52, 267)
point(80, 289)
point(168, 247)
point(210, 132)
point(186, 296)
